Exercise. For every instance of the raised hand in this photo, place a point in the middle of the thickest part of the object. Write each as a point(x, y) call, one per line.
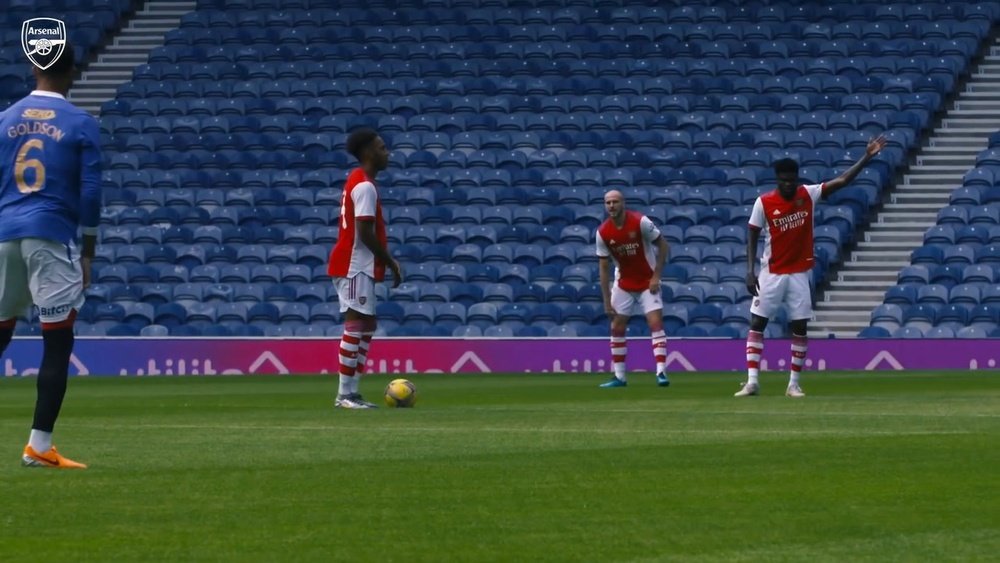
point(875, 145)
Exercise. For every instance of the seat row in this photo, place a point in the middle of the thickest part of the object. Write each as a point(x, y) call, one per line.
point(573, 41)
point(566, 287)
point(228, 329)
point(224, 13)
point(148, 191)
point(887, 74)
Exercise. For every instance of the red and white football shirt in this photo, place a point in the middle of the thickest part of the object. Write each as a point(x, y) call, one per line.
point(632, 249)
point(788, 240)
point(350, 256)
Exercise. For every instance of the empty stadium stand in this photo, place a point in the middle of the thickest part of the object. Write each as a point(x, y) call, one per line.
point(508, 121)
point(952, 286)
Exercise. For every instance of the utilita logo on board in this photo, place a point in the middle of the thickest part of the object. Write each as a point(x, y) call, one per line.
point(266, 363)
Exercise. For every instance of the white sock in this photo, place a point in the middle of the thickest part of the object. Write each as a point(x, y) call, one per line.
point(355, 383)
point(659, 338)
point(618, 351)
point(755, 347)
point(345, 385)
point(349, 343)
point(40, 441)
point(800, 345)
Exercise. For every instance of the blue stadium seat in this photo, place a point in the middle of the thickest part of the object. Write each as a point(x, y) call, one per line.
point(939, 332)
point(933, 293)
point(874, 332)
point(901, 294)
point(914, 274)
point(278, 293)
point(931, 255)
point(888, 313)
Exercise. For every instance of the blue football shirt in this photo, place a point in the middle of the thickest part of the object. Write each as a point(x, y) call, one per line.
point(50, 169)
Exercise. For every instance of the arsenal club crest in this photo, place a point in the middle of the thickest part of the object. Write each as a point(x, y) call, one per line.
point(362, 299)
point(43, 40)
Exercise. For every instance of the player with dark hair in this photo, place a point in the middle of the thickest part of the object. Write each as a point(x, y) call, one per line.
point(639, 252)
point(787, 213)
point(358, 260)
point(50, 182)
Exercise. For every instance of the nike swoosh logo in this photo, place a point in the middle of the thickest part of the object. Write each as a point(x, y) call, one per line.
point(44, 461)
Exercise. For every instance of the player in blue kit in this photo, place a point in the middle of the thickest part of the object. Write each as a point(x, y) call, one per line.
point(50, 181)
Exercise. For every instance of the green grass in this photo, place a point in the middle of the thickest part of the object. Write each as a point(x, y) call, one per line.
point(869, 467)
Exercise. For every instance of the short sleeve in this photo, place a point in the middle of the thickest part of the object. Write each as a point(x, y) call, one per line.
point(649, 231)
point(757, 214)
point(602, 247)
point(365, 199)
point(815, 192)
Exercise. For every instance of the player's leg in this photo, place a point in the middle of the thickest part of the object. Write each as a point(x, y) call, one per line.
point(359, 310)
point(800, 345)
point(652, 306)
point(14, 294)
point(366, 341)
point(6, 333)
point(56, 284)
point(800, 311)
point(755, 347)
point(769, 298)
point(622, 302)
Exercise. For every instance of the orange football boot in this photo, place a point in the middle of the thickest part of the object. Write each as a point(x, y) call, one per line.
point(51, 458)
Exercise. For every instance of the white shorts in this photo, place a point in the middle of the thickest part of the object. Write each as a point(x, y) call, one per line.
point(624, 302)
point(44, 272)
point(789, 289)
point(356, 293)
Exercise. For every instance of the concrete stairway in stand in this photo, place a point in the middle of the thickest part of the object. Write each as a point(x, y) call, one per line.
point(129, 49)
point(899, 228)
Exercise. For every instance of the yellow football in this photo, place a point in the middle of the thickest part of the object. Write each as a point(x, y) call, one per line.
point(400, 393)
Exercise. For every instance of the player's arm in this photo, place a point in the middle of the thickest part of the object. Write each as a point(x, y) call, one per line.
point(365, 206)
point(652, 236)
point(90, 195)
point(754, 227)
point(874, 146)
point(366, 231)
point(753, 235)
point(604, 274)
point(663, 250)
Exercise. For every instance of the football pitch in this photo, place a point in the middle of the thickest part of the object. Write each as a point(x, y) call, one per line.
point(868, 467)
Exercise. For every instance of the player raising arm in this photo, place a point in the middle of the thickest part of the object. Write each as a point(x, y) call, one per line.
point(639, 252)
point(786, 215)
point(50, 186)
point(358, 260)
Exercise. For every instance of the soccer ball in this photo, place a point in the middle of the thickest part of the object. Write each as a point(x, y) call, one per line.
point(400, 393)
